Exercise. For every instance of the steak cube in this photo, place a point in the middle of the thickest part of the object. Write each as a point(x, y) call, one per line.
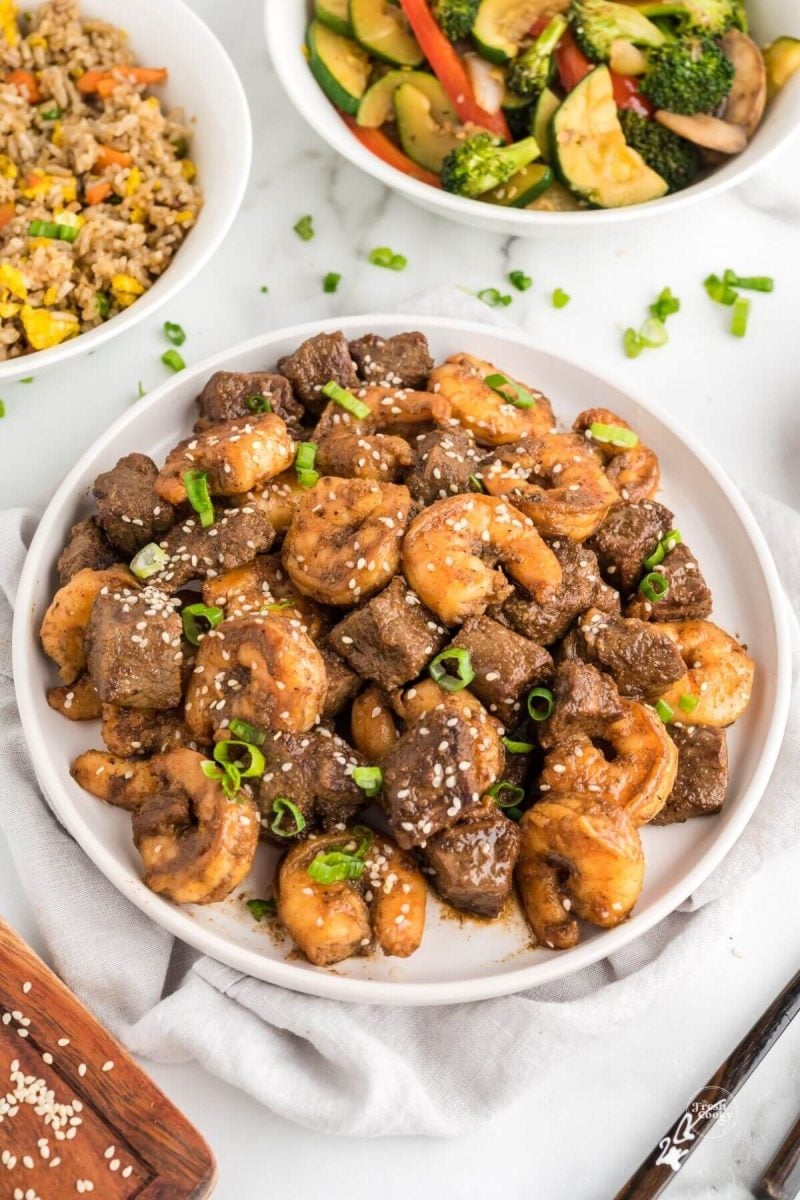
point(473, 861)
point(400, 361)
point(343, 684)
point(321, 358)
point(506, 665)
point(315, 771)
point(128, 507)
point(86, 547)
point(689, 596)
point(232, 394)
point(132, 731)
point(134, 648)
point(391, 638)
point(586, 701)
point(702, 779)
point(444, 460)
point(629, 535)
point(642, 662)
point(197, 553)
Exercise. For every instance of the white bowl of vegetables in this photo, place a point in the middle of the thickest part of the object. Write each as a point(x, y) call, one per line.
point(519, 115)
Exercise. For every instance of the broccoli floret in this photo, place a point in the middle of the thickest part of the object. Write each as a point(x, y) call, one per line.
point(597, 24)
point(482, 162)
point(689, 76)
point(711, 17)
point(456, 17)
point(673, 158)
point(531, 72)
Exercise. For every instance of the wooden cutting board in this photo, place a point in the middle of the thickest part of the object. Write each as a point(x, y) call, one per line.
point(77, 1115)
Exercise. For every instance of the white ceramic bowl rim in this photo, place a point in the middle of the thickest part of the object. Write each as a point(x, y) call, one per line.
point(331, 985)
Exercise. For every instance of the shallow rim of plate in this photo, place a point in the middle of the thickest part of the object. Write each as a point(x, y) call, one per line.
point(321, 983)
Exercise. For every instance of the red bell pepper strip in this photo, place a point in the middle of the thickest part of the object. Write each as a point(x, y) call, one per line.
point(573, 65)
point(386, 150)
point(450, 70)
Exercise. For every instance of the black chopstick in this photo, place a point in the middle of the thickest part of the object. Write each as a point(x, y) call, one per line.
point(706, 1107)
point(781, 1180)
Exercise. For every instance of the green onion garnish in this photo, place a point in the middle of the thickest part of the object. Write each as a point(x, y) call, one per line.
point(751, 283)
point(335, 867)
point(369, 779)
point(664, 547)
point(2, 408)
point(247, 732)
point(664, 711)
point(654, 587)
point(250, 767)
point(521, 397)
point(348, 401)
point(476, 484)
point(515, 794)
point(304, 464)
point(227, 774)
point(520, 280)
point(175, 333)
point(258, 404)
point(493, 298)
point(464, 673)
point(665, 305)
point(718, 290)
point(173, 360)
point(615, 435)
point(27, 379)
point(196, 484)
point(653, 333)
point(331, 281)
point(190, 615)
point(140, 392)
point(517, 747)
point(103, 301)
point(540, 703)
point(688, 703)
point(278, 606)
point(382, 256)
point(262, 908)
point(740, 317)
point(51, 229)
point(304, 228)
point(560, 298)
point(149, 561)
point(263, 289)
point(50, 114)
point(282, 805)
point(632, 343)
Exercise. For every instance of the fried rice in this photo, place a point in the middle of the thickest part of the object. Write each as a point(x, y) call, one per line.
point(97, 186)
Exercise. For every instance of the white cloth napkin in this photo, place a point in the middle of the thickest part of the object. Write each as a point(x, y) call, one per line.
point(338, 1068)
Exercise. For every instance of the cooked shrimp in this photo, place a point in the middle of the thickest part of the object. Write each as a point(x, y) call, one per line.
point(262, 669)
point(123, 782)
point(580, 857)
point(277, 499)
point(331, 922)
point(557, 481)
point(196, 844)
point(719, 675)
point(372, 723)
point(259, 584)
point(63, 631)
point(451, 548)
point(76, 701)
point(376, 447)
point(344, 541)
point(634, 766)
point(236, 455)
point(633, 470)
point(492, 419)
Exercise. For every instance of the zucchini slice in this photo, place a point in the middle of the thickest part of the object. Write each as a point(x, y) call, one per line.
point(333, 13)
point(340, 67)
point(546, 107)
point(500, 25)
point(783, 61)
point(556, 199)
point(382, 29)
point(427, 128)
point(377, 105)
point(590, 152)
point(523, 188)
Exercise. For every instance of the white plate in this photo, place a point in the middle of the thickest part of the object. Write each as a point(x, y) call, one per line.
point(286, 21)
point(456, 962)
point(166, 33)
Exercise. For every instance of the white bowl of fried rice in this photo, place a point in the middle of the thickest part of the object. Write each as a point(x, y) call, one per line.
point(125, 146)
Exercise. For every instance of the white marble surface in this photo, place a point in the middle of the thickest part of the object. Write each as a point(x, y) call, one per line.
point(582, 1130)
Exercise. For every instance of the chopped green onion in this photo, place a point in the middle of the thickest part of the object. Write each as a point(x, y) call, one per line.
point(331, 281)
point(348, 401)
point(304, 459)
point(263, 289)
point(382, 256)
point(520, 280)
point(476, 484)
point(664, 711)
point(181, 147)
point(654, 333)
point(255, 762)
point(2, 408)
point(688, 703)
point(517, 747)
point(493, 298)
point(719, 291)
point(615, 435)
point(262, 908)
point(140, 392)
point(196, 484)
point(560, 298)
point(664, 547)
point(513, 814)
point(752, 283)
point(740, 317)
point(654, 586)
point(335, 867)
point(27, 379)
point(632, 343)
point(278, 606)
point(52, 113)
point(191, 629)
point(175, 333)
point(540, 712)
point(464, 673)
point(149, 560)
point(665, 305)
point(515, 794)
point(282, 805)
point(228, 775)
point(51, 229)
point(521, 397)
point(304, 228)
point(173, 360)
point(103, 301)
point(367, 838)
point(369, 779)
point(247, 732)
point(258, 404)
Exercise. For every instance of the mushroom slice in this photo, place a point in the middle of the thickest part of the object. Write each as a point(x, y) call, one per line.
point(703, 130)
point(747, 98)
